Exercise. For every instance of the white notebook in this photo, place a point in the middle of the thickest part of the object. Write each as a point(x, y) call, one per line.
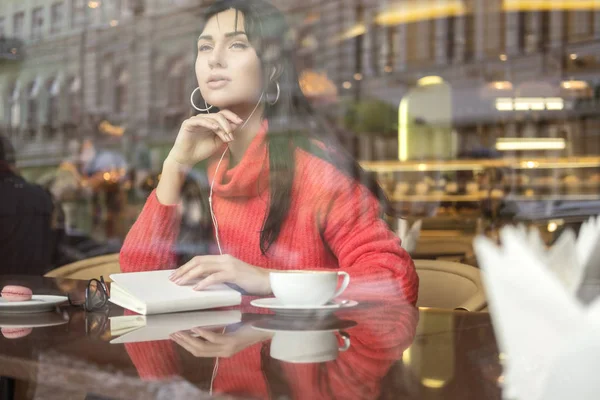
point(153, 293)
point(140, 328)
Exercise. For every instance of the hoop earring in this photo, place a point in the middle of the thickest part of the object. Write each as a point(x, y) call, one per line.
point(272, 103)
point(196, 107)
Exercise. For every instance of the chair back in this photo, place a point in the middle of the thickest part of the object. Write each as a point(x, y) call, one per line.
point(449, 285)
point(88, 268)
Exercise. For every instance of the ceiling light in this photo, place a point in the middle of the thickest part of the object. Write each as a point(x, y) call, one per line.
point(430, 80)
point(507, 144)
point(574, 85)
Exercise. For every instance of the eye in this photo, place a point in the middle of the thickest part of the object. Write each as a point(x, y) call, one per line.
point(239, 45)
point(204, 47)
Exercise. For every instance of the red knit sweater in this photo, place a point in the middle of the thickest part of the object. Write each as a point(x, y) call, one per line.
point(333, 223)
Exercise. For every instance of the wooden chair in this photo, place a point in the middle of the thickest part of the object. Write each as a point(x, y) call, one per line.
point(89, 268)
point(449, 285)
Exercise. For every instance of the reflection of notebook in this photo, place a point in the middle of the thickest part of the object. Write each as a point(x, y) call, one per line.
point(139, 328)
point(153, 293)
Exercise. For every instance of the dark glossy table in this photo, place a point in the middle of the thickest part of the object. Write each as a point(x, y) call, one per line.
point(394, 351)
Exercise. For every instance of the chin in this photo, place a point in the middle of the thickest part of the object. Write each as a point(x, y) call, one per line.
point(224, 100)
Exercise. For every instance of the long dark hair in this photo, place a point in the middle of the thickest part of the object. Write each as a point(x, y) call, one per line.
point(270, 35)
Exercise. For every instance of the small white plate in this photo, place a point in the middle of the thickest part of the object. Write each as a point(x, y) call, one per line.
point(272, 303)
point(38, 303)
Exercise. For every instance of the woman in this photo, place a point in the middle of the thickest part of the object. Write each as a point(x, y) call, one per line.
point(281, 198)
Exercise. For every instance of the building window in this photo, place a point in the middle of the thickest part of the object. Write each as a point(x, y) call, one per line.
point(374, 45)
point(53, 98)
point(121, 87)
point(116, 10)
point(579, 25)
point(57, 17)
point(77, 13)
point(15, 106)
point(104, 83)
point(73, 100)
point(450, 37)
point(32, 107)
point(176, 84)
point(37, 22)
point(390, 48)
point(469, 37)
point(19, 24)
point(359, 41)
point(2, 26)
point(176, 94)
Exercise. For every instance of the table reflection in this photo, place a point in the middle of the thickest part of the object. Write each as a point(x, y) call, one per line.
point(380, 349)
point(267, 356)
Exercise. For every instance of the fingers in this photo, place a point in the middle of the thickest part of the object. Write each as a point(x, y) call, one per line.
point(195, 262)
point(216, 278)
point(211, 336)
point(197, 347)
point(225, 124)
point(198, 271)
point(210, 124)
point(232, 117)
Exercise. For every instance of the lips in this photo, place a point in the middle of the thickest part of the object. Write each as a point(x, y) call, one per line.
point(217, 83)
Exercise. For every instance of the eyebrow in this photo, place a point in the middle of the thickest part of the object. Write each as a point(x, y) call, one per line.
point(227, 35)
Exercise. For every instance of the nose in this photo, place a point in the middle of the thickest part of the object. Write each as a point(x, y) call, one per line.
point(216, 58)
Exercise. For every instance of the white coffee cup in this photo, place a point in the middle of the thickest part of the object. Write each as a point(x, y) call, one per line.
point(307, 347)
point(307, 288)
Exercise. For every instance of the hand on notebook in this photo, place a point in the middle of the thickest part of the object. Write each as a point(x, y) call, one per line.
point(223, 269)
point(212, 344)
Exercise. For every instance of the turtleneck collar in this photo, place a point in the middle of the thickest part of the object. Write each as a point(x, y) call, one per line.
point(250, 176)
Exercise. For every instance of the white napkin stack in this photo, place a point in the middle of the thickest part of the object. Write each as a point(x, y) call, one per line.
point(550, 337)
point(409, 235)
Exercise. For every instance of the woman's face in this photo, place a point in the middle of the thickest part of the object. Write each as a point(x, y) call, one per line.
point(227, 67)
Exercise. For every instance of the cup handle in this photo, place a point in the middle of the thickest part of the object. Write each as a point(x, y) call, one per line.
point(346, 338)
point(345, 283)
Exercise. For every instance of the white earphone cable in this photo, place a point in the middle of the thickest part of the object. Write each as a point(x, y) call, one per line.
point(216, 224)
point(212, 184)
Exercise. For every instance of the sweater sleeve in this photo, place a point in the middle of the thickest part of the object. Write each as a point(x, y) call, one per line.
point(149, 245)
point(349, 217)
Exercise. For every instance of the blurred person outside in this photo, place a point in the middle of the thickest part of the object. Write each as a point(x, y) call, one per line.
point(70, 190)
point(105, 173)
point(27, 238)
point(283, 194)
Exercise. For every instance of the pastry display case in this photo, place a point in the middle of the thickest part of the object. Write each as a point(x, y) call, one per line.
point(440, 186)
point(459, 199)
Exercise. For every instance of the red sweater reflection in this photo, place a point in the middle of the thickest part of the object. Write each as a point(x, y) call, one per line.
point(383, 331)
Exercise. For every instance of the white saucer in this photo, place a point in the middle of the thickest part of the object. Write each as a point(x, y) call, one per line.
point(278, 324)
point(38, 303)
point(272, 303)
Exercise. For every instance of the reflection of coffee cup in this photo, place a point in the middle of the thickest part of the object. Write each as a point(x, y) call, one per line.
point(307, 347)
point(307, 288)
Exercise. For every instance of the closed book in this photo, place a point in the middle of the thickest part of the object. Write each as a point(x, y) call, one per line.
point(152, 292)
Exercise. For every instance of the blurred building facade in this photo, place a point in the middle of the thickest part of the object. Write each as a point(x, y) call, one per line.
point(119, 68)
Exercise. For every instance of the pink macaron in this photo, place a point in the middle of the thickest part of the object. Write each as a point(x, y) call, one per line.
point(15, 333)
point(16, 293)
